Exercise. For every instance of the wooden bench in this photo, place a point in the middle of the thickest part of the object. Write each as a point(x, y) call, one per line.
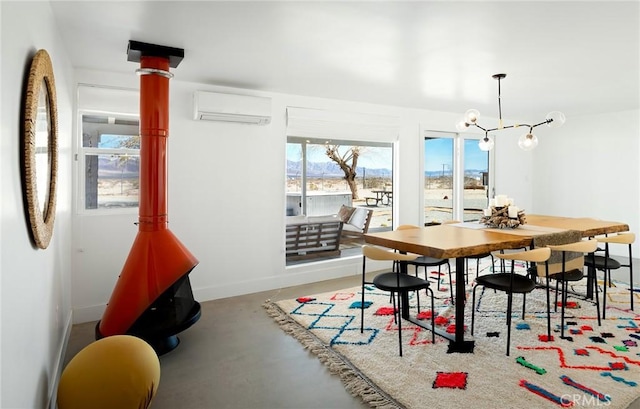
point(313, 237)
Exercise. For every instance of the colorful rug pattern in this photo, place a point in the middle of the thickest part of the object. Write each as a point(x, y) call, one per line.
point(593, 366)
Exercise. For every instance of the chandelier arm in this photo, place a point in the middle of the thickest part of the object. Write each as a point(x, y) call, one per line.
point(519, 125)
point(546, 121)
point(506, 127)
point(530, 141)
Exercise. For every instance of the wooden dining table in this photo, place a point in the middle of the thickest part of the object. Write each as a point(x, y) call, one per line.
point(460, 240)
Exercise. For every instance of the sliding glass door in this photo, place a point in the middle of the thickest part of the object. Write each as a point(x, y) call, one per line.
point(456, 177)
point(438, 179)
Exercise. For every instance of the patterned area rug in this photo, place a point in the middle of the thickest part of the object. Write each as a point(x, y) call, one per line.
point(595, 366)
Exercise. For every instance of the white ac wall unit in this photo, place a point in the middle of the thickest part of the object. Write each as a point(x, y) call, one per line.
point(244, 109)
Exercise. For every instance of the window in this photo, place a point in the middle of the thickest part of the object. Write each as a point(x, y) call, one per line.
point(456, 177)
point(110, 161)
point(317, 185)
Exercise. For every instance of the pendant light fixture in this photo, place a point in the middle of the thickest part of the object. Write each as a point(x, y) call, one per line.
point(527, 141)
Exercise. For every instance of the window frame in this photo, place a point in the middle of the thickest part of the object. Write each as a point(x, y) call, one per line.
point(458, 168)
point(304, 142)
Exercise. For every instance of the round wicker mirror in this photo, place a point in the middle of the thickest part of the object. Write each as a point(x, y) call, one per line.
point(41, 148)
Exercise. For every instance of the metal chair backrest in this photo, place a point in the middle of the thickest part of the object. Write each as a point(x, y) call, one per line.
point(584, 246)
point(622, 238)
point(538, 255)
point(376, 253)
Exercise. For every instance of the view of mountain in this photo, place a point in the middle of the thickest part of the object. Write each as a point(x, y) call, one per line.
point(331, 169)
point(109, 167)
point(467, 172)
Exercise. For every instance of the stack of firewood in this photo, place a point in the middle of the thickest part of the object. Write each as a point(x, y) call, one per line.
point(500, 219)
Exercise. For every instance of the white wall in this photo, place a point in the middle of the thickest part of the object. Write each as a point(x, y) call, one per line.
point(513, 169)
point(35, 290)
point(590, 168)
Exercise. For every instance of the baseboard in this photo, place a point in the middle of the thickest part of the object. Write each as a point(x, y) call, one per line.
point(299, 274)
point(59, 364)
point(294, 275)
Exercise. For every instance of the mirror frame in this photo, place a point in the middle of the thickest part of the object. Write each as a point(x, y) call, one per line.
point(40, 74)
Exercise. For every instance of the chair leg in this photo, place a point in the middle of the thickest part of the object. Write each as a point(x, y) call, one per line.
point(418, 292)
point(399, 321)
point(509, 303)
point(362, 307)
point(393, 295)
point(473, 307)
point(564, 301)
point(604, 290)
point(433, 317)
point(548, 311)
point(466, 271)
point(595, 290)
point(453, 299)
point(396, 264)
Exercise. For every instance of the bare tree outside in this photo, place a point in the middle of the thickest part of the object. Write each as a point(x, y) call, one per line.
point(130, 142)
point(348, 162)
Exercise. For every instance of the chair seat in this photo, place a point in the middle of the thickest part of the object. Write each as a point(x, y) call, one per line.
point(502, 282)
point(428, 261)
point(571, 275)
point(612, 264)
point(389, 282)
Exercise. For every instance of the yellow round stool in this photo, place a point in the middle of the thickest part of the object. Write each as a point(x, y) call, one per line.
point(120, 371)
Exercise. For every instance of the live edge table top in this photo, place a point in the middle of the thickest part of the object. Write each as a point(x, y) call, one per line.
point(588, 226)
point(452, 240)
point(447, 241)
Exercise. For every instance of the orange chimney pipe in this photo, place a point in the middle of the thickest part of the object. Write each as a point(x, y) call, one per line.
point(157, 259)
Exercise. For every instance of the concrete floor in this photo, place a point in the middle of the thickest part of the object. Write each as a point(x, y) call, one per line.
point(237, 357)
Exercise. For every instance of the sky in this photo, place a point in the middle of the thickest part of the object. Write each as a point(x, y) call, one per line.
point(438, 152)
point(372, 157)
point(112, 141)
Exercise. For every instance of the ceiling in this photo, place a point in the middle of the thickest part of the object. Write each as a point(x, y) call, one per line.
point(575, 57)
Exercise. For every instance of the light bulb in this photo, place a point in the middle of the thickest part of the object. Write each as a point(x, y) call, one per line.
point(557, 119)
point(462, 125)
point(471, 116)
point(528, 141)
point(485, 144)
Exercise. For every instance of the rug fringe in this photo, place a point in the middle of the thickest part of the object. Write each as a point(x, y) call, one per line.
point(355, 382)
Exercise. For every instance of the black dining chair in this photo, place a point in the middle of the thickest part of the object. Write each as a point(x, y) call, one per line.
point(426, 261)
point(512, 283)
point(397, 283)
point(572, 271)
point(607, 263)
point(477, 259)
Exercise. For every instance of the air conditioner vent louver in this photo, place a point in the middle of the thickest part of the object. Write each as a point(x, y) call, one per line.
point(244, 109)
